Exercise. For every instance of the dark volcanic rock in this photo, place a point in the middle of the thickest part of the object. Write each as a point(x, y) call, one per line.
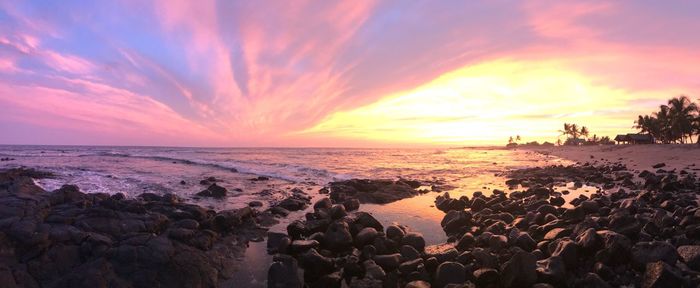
point(690, 254)
point(338, 236)
point(450, 273)
point(647, 252)
point(371, 191)
point(70, 239)
point(486, 277)
point(415, 240)
point(293, 203)
point(213, 190)
point(283, 273)
point(661, 275)
point(519, 271)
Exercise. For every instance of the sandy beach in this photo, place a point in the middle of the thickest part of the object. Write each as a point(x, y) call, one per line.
point(637, 157)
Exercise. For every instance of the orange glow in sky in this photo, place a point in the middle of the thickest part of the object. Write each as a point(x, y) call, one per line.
point(486, 103)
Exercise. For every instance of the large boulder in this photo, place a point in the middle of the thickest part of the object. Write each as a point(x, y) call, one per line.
point(283, 273)
point(338, 236)
point(519, 270)
point(647, 252)
point(450, 273)
point(415, 240)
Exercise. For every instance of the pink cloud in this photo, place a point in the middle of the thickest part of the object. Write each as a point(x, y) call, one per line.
point(102, 109)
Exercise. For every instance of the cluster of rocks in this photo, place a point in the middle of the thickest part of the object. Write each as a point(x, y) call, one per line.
point(334, 244)
point(6, 159)
point(643, 233)
point(298, 200)
point(67, 238)
point(606, 176)
point(378, 191)
point(647, 237)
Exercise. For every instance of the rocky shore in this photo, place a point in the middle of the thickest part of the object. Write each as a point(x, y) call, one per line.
point(66, 238)
point(637, 229)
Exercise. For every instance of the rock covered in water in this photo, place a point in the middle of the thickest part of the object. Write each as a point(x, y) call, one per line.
point(372, 191)
point(214, 191)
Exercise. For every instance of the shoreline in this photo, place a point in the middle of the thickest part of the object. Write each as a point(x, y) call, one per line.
point(673, 156)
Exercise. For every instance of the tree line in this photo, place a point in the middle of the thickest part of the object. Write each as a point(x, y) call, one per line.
point(675, 122)
point(579, 136)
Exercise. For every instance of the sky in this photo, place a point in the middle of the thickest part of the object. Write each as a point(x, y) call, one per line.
point(337, 73)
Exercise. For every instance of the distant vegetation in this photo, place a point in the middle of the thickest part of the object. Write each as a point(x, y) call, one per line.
point(675, 122)
point(579, 136)
point(515, 141)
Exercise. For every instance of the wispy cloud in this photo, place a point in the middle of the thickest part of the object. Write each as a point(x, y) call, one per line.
point(258, 73)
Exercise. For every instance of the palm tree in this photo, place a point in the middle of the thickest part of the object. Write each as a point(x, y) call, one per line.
point(663, 120)
point(567, 129)
point(681, 118)
point(575, 132)
point(510, 140)
point(517, 138)
point(584, 131)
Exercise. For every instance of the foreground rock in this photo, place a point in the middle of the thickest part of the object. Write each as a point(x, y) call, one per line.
point(642, 231)
point(67, 238)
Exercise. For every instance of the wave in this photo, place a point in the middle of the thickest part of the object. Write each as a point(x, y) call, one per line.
point(283, 171)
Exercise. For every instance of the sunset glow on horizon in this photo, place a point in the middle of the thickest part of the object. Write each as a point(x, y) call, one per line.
point(337, 73)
